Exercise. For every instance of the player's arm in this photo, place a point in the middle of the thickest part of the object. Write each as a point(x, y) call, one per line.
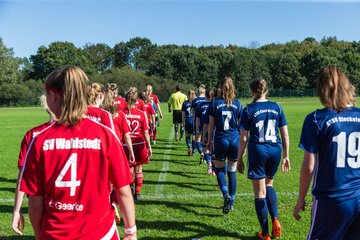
point(128, 142)
point(159, 109)
point(147, 141)
point(210, 133)
point(153, 121)
point(306, 173)
point(18, 219)
point(241, 151)
point(204, 131)
point(36, 211)
point(127, 208)
point(285, 145)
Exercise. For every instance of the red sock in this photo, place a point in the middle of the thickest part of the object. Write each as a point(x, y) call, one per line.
point(139, 178)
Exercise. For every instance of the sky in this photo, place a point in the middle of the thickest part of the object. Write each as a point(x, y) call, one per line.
point(25, 25)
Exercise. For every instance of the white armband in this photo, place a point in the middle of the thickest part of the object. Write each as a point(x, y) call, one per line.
point(130, 230)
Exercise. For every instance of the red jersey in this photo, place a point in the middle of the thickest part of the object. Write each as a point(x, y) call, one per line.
point(138, 123)
point(120, 103)
point(121, 125)
point(140, 104)
point(29, 135)
point(72, 167)
point(154, 98)
point(149, 110)
point(101, 116)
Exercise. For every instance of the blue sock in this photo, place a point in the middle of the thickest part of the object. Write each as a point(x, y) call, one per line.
point(193, 143)
point(271, 201)
point(232, 185)
point(262, 214)
point(188, 142)
point(199, 147)
point(221, 178)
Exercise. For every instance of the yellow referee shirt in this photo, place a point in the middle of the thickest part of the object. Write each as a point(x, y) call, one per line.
point(176, 100)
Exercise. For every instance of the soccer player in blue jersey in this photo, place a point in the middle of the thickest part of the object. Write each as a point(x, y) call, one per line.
point(225, 113)
point(202, 117)
point(188, 122)
point(194, 104)
point(263, 118)
point(331, 142)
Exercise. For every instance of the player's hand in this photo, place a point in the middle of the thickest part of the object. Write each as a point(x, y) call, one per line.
point(149, 153)
point(299, 206)
point(208, 147)
point(169, 111)
point(285, 166)
point(18, 223)
point(131, 157)
point(161, 116)
point(240, 166)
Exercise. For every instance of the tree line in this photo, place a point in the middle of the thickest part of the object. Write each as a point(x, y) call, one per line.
point(137, 62)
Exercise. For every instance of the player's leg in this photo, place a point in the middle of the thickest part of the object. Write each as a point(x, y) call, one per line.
point(274, 156)
point(257, 158)
point(139, 179)
point(176, 126)
point(231, 167)
point(261, 207)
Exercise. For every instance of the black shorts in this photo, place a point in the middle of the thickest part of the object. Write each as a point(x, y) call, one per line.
point(177, 116)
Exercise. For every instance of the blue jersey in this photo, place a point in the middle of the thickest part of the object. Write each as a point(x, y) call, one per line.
point(186, 107)
point(200, 112)
point(335, 138)
point(262, 119)
point(195, 103)
point(225, 118)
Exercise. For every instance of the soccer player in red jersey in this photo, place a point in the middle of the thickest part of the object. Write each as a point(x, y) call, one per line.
point(96, 93)
point(82, 158)
point(140, 138)
point(18, 219)
point(150, 113)
point(157, 109)
point(119, 102)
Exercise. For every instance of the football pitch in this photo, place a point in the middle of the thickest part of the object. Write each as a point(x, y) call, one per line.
point(179, 200)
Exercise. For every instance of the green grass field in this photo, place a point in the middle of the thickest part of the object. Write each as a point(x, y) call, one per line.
point(180, 201)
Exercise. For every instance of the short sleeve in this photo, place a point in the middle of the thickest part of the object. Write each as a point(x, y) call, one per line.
point(282, 119)
point(32, 179)
point(245, 122)
point(183, 107)
point(309, 135)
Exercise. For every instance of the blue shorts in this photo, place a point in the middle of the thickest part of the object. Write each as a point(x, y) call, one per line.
point(335, 219)
point(263, 160)
point(189, 126)
point(226, 148)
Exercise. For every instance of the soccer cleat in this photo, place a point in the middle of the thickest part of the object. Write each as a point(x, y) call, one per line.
point(227, 203)
point(190, 152)
point(266, 237)
point(232, 207)
point(276, 228)
point(201, 158)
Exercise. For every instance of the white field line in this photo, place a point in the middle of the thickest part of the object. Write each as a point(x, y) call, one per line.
point(183, 196)
point(165, 167)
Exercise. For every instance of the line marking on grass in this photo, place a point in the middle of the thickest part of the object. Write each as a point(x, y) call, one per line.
point(181, 196)
point(165, 167)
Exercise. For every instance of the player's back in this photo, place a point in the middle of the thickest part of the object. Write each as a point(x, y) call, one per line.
point(225, 118)
point(138, 123)
point(335, 138)
point(186, 108)
point(262, 119)
point(73, 166)
point(100, 115)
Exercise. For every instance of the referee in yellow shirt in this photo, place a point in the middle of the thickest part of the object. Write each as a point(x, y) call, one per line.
point(175, 103)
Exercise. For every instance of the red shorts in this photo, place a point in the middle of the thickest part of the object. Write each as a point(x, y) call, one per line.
point(141, 154)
